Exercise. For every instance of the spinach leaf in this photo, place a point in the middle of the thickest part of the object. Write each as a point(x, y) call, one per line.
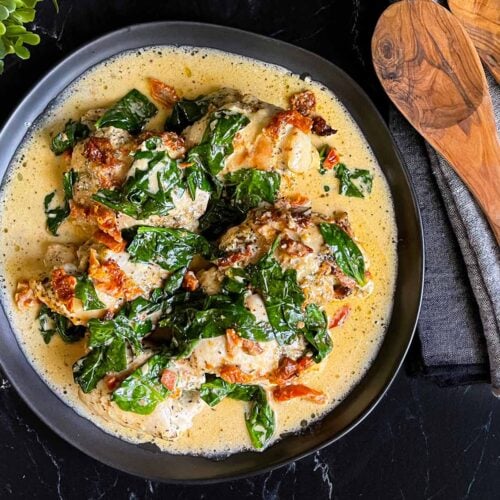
point(108, 342)
point(243, 190)
point(52, 323)
point(220, 215)
point(196, 316)
point(346, 253)
point(87, 371)
point(185, 113)
point(142, 390)
point(130, 113)
point(316, 332)
point(207, 158)
point(148, 191)
point(248, 188)
point(69, 136)
point(85, 291)
point(283, 297)
point(217, 142)
point(169, 248)
point(260, 419)
point(355, 183)
point(55, 215)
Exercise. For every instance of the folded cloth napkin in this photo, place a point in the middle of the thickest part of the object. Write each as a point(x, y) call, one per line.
point(459, 325)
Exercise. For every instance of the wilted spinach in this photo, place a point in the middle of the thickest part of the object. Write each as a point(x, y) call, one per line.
point(260, 419)
point(52, 323)
point(186, 112)
point(353, 182)
point(142, 390)
point(283, 297)
point(56, 215)
point(191, 317)
point(130, 113)
point(72, 133)
point(169, 248)
point(316, 332)
point(85, 291)
point(108, 341)
point(346, 253)
point(149, 190)
point(243, 190)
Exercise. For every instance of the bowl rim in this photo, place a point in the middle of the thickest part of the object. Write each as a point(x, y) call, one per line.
point(12, 358)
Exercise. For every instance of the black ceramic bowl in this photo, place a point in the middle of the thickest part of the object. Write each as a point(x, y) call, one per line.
point(146, 460)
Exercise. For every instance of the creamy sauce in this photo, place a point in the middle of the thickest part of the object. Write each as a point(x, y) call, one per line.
point(36, 171)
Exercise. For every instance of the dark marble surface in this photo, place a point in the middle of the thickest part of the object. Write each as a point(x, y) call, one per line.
point(421, 442)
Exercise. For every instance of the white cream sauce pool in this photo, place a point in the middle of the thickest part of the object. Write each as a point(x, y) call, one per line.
point(36, 172)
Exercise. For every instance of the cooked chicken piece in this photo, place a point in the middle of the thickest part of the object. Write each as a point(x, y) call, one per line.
point(301, 248)
point(273, 140)
point(101, 161)
point(115, 278)
point(185, 214)
point(171, 417)
point(240, 363)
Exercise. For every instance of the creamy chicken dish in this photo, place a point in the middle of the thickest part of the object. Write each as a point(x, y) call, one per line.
point(202, 255)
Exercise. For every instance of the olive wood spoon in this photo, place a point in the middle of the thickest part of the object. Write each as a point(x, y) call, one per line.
point(430, 69)
point(481, 19)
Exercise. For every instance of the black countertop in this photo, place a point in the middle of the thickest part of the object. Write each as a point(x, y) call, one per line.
point(420, 442)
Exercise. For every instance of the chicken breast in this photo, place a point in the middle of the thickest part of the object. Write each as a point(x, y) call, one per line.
point(171, 417)
point(115, 277)
point(301, 248)
point(274, 139)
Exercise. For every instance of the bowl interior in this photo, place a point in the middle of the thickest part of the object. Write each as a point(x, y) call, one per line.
point(146, 460)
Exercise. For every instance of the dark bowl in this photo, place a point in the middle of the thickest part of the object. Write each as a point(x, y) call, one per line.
point(146, 460)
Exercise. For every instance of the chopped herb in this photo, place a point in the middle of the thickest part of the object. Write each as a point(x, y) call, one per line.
point(355, 183)
point(142, 390)
point(73, 132)
point(346, 253)
point(260, 419)
point(130, 113)
point(52, 323)
point(326, 188)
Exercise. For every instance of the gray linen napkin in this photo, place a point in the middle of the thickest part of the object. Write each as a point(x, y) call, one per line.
point(459, 326)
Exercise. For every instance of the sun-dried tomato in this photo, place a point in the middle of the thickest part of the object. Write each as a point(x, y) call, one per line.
point(320, 127)
point(168, 379)
point(340, 316)
point(303, 102)
point(234, 375)
point(162, 93)
point(64, 285)
point(287, 392)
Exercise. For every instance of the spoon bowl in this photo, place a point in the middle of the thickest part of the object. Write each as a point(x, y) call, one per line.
point(430, 69)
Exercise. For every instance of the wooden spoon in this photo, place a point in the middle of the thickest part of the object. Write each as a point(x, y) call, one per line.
point(481, 19)
point(430, 69)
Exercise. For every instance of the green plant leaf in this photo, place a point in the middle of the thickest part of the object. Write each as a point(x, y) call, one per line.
point(346, 253)
point(130, 113)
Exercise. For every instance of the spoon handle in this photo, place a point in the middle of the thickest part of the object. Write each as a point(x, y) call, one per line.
point(471, 147)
